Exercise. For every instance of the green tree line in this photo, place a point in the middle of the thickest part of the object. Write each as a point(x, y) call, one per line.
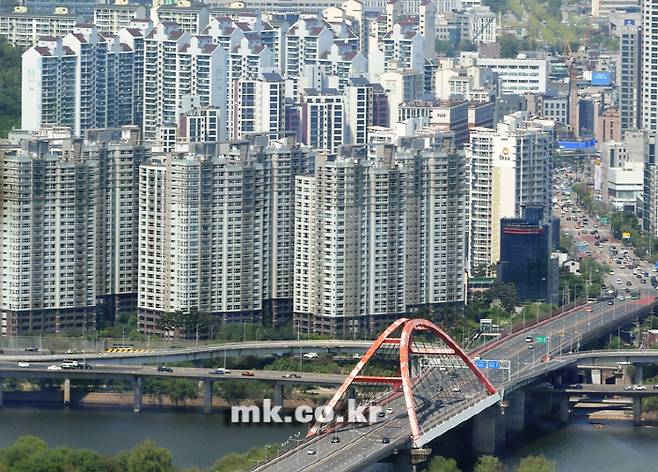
point(10, 87)
point(493, 464)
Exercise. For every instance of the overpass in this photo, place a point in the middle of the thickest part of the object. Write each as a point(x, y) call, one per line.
point(442, 390)
point(239, 349)
point(136, 374)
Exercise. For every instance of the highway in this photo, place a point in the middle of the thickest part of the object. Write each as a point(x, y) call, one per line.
point(123, 372)
point(255, 348)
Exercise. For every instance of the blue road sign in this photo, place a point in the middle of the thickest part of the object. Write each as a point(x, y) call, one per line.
point(493, 365)
point(480, 364)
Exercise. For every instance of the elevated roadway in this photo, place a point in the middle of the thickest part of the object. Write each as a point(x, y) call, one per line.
point(240, 349)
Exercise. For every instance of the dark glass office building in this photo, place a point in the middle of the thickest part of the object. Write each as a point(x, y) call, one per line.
point(525, 256)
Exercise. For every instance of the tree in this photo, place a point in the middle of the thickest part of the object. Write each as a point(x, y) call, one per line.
point(441, 464)
point(22, 449)
point(146, 457)
point(536, 464)
point(10, 87)
point(488, 464)
point(509, 46)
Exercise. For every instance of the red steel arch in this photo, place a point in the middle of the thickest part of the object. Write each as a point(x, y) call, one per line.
point(407, 328)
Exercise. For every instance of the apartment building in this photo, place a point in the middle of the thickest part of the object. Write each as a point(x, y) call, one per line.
point(185, 66)
point(215, 231)
point(323, 119)
point(84, 81)
point(69, 246)
point(347, 279)
point(22, 27)
point(113, 17)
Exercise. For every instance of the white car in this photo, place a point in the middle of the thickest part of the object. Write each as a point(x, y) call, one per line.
point(23, 364)
point(54, 367)
point(618, 281)
point(639, 387)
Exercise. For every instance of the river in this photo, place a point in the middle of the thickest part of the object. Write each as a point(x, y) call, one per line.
point(198, 440)
point(194, 439)
point(579, 447)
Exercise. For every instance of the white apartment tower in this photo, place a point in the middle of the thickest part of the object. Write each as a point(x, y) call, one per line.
point(510, 168)
point(48, 242)
point(215, 231)
point(435, 221)
point(48, 85)
point(84, 81)
point(184, 66)
point(323, 119)
point(358, 110)
point(260, 106)
point(349, 253)
point(649, 66)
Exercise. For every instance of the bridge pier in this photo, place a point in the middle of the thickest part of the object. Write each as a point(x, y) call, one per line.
point(278, 394)
point(207, 397)
point(564, 409)
point(137, 394)
point(637, 411)
point(515, 412)
point(67, 391)
point(484, 432)
point(639, 374)
point(501, 431)
point(597, 376)
point(410, 460)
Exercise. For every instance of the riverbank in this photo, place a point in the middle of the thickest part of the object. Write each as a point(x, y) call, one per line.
point(125, 399)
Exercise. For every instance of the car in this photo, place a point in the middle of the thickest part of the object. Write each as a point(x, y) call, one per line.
point(335, 440)
point(31, 349)
point(589, 309)
point(627, 290)
point(69, 364)
point(629, 283)
point(643, 281)
point(287, 376)
point(389, 410)
point(611, 302)
point(220, 371)
point(24, 364)
point(247, 373)
point(295, 375)
point(639, 387)
point(655, 387)
point(576, 386)
point(386, 440)
point(54, 367)
point(618, 281)
point(84, 366)
point(528, 339)
point(310, 452)
point(311, 355)
point(531, 346)
point(456, 390)
point(164, 368)
point(628, 387)
point(620, 298)
point(381, 414)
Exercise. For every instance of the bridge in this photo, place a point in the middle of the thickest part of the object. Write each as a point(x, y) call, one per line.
point(136, 374)
point(429, 386)
point(239, 349)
